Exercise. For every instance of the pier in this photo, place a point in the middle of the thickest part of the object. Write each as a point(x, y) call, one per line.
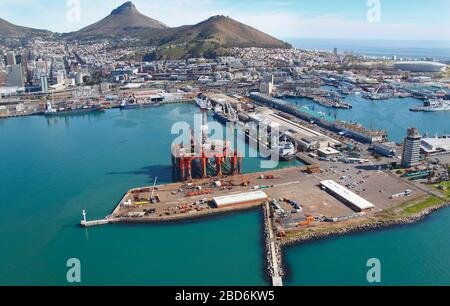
point(96, 222)
point(182, 101)
point(15, 115)
point(106, 220)
point(273, 250)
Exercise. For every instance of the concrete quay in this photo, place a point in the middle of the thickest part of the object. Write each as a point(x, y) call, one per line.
point(96, 222)
point(273, 249)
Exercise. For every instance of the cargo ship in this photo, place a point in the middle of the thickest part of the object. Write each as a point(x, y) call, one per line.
point(142, 100)
point(221, 117)
point(225, 114)
point(134, 104)
point(65, 111)
point(433, 105)
point(332, 103)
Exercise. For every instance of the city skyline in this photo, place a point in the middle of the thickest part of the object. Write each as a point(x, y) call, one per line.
point(288, 19)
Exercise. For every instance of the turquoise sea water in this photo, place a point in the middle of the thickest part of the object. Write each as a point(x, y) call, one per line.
point(410, 255)
point(52, 169)
point(392, 115)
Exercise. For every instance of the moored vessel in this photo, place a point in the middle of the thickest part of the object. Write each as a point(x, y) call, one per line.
point(65, 111)
point(286, 150)
point(203, 103)
point(433, 105)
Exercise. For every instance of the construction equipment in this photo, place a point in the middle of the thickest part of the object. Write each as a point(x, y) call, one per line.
point(142, 203)
point(308, 221)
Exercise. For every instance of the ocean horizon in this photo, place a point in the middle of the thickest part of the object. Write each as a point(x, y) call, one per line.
point(407, 49)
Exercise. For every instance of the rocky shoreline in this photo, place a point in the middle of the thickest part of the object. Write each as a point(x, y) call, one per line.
point(368, 226)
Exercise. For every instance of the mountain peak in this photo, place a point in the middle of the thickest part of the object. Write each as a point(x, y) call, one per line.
point(125, 8)
point(124, 20)
point(217, 18)
point(8, 29)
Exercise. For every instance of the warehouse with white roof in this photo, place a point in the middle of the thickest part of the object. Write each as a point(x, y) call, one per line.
point(355, 202)
point(249, 198)
point(435, 145)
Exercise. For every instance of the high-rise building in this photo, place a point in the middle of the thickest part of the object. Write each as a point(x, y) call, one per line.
point(41, 68)
point(79, 78)
point(11, 58)
point(411, 148)
point(15, 76)
point(267, 88)
point(60, 77)
point(44, 83)
point(2, 77)
point(335, 51)
point(31, 56)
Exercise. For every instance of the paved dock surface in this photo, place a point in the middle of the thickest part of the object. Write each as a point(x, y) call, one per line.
point(187, 200)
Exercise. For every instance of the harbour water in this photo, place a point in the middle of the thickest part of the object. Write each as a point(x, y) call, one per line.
point(52, 169)
point(410, 255)
point(392, 115)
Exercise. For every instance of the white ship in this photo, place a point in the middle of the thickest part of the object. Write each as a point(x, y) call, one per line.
point(203, 103)
point(286, 150)
point(433, 105)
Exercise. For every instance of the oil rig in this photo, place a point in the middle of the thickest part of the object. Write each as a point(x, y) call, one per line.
point(204, 158)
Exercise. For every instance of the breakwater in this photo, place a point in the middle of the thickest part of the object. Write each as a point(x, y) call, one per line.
point(273, 251)
point(363, 226)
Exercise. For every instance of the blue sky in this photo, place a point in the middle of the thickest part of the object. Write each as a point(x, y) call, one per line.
point(398, 19)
